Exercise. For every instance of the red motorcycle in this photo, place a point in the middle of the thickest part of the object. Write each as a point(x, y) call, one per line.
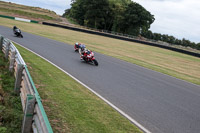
point(88, 57)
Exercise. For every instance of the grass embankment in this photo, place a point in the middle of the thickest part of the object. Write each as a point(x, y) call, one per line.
point(36, 13)
point(11, 113)
point(27, 14)
point(70, 106)
point(176, 64)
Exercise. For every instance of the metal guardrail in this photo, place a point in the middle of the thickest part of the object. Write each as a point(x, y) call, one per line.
point(35, 119)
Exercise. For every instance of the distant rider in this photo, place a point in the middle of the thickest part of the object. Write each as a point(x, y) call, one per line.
point(15, 28)
point(77, 45)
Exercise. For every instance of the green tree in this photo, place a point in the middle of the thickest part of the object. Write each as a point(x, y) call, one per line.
point(185, 42)
point(78, 10)
point(97, 12)
point(178, 42)
point(171, 39)
point(198, 46)
point(164, 38)
point(122, 16)
point(117, 10)
point(66, 13)
point(157, 36)
point(136, 19)
point(148, 34)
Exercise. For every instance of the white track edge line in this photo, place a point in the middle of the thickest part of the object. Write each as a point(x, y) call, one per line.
point(109, 103)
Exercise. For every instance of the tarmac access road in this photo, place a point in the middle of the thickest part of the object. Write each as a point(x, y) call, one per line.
point(160, 103)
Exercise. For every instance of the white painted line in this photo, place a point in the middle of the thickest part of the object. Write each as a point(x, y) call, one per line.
point(109, 103)
point(22, 19)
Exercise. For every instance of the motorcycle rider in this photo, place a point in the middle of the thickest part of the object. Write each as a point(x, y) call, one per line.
point(76, 46)
point(82, 50)
point(87, 55)
point(14, 28)
point(17, 31)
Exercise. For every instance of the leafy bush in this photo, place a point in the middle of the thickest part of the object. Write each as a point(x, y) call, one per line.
point(3, 130)
point(10, 105)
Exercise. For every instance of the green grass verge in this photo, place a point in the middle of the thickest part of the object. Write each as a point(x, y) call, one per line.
point(71, 107)
point(11, 113)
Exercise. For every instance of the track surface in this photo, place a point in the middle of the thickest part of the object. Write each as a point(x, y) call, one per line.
point(158, 102)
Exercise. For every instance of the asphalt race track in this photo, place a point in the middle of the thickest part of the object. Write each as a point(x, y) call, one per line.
point(160, 103)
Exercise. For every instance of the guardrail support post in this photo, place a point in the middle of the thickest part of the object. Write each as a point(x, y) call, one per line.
point(28, 114)
point(7, 50)
point(1, 42)
point(18, 80)
point(12, 61)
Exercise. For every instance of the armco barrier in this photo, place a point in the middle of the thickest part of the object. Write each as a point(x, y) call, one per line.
point(35, 119)
point(126, 38)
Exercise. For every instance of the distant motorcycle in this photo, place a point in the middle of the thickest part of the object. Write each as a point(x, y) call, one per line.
point(88, 57)
point(17, 32)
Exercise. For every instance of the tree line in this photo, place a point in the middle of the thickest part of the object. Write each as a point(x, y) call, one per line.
point(122, 16)
point(170, 39)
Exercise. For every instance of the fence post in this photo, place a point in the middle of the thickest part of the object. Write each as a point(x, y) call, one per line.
point(18, 80)
point(7, 50)
point(1, 42)
point(28, 114)
point(12, 61)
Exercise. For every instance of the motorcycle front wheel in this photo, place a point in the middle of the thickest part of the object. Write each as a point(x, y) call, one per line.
point(95, 62)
